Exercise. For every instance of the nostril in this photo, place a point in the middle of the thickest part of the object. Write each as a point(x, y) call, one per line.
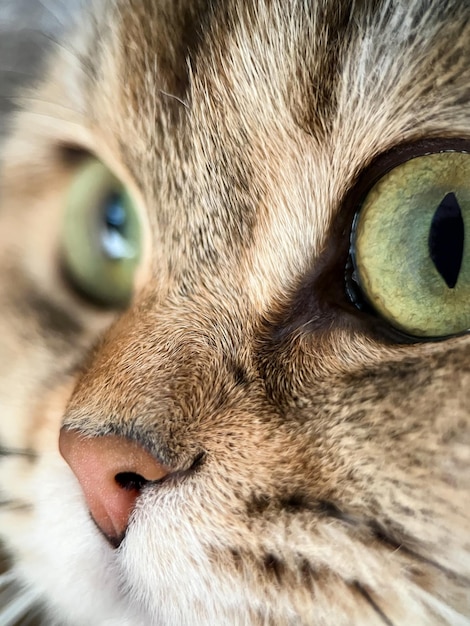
point(112, 472)
point(130, 481)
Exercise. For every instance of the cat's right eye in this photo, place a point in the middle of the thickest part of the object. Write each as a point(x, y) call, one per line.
point(410, 246)
point(101, 245)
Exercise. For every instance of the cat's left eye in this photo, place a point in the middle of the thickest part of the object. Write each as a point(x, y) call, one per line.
point(411, 246)
point(102, 239)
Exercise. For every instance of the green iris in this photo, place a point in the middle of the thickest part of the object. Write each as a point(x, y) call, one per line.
point(411, 249)
point(102, 236)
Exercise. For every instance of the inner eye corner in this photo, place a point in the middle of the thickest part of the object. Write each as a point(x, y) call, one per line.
point(72, 154)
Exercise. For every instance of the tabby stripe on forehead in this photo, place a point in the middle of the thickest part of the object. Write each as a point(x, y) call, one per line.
point(172, 35)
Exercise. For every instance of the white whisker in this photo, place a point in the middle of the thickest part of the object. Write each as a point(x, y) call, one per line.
point(61, 45)
point(18, 607)
point(170, 95)
point(7, 578)
point(25, 452)
point(14, 72)
point(20, 98)
point(448, 614)
point(53, 118)
point(85, 68)
point(51, 12)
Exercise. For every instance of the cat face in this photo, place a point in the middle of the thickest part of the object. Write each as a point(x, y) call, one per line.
point(212, 411)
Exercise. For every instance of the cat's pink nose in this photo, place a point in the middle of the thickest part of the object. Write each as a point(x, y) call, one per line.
point(111, 471)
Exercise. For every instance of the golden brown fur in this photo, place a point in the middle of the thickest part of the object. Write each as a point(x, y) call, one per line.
point(334, 482)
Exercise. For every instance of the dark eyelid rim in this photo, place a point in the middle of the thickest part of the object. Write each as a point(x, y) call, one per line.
point(369, 176)
point(333, 263)
point(387, 161)
point(320, 300)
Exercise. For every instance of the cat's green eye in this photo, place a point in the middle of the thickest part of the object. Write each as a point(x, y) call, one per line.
point(102, 236)
point(411, 245)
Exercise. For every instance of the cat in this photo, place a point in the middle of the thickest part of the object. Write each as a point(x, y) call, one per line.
point(234, 314)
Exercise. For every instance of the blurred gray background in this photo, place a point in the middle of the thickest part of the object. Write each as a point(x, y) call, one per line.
point(28, 28)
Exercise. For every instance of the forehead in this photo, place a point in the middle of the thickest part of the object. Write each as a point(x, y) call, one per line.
point(245, 124)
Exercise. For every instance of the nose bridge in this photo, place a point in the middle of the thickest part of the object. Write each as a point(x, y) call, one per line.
point(155, 370)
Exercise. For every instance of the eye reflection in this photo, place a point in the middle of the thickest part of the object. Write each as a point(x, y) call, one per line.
point(102, 242)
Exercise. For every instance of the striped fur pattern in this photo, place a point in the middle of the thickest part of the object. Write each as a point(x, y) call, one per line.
point(334, 472)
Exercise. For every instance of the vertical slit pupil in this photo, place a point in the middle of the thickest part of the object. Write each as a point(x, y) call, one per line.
point(446, 239)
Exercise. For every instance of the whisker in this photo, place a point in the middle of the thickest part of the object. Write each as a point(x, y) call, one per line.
point(7, 578)
point(19, 97)
point(87, 68)
point(465, 580)
point(170, 95)
point(53, 118)
point(386, 539)
point(448, 614)
point(33, 618)
point(367, 597)
point(51, 12)
point(14, 72)
point(15, 505)
point(17, 607)
point(22, 452)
